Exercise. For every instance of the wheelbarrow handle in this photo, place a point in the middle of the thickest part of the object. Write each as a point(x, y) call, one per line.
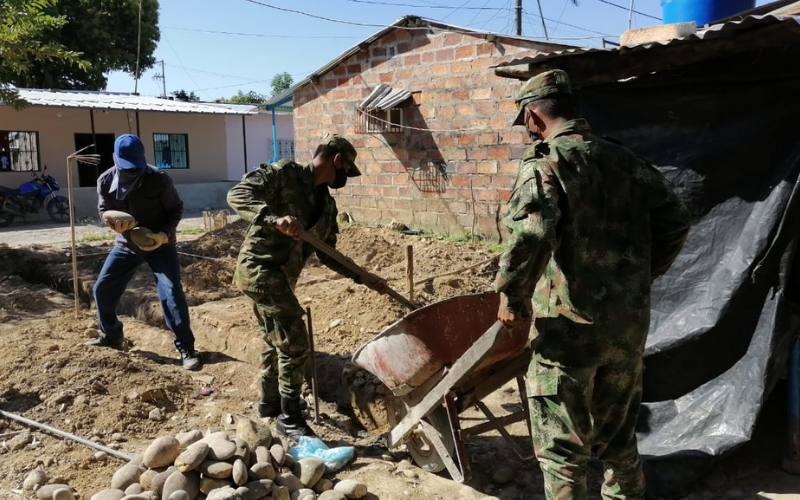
point(349, 264)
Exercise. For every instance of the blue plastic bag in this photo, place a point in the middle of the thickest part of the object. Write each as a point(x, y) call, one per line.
point(312, 446)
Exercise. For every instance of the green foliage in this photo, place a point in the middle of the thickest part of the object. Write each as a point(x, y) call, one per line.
point(88, 238)
point(193, 230)
point(182, 95)
point(281, 82)
point(104, 32)
point(26, 42)
point(251, 97)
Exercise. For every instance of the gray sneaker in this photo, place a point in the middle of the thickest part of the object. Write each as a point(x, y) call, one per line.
point(191, 360)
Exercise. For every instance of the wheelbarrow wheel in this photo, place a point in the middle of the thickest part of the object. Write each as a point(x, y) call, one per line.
point(421, 450)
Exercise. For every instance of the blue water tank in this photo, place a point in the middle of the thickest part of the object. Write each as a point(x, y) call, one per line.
point(702, 11)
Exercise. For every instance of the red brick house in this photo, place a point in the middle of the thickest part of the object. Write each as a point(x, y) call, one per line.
point(435, 144)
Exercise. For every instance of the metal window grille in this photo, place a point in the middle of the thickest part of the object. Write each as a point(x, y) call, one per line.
point(285, 149)
point(171, 150)
point(379, 121)
point(19, 151)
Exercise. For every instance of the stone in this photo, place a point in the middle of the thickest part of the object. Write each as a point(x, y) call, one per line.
point(256, 489)
point(192, 456)
point(335, 323)
point(187, 438)
point(19, 441)
point(63, 494)
point(125, 476)
point(304, 494)
point(141, 496)
point(109, 494)
point(92, 333)
point(146, 479)
point(242, 450)
point(253, 433)
point(155, 415)
point(239, 473)
point(290, 481)
point(351, 488)
point(309, 470)
point(134, 489)
point(186, 481)
point(208, 483)
point(289, 461)
point(179, 495)
point(262, 471)
point(331, 495)
point(262, 455)
point(220, 448)
point(278, 453)
point(503, 475)
point(323, 485)
point(160, 479)
point(46, 491)
point(216, 470)
point(100, 456)
point(162, 452)
point(225, 493)
point(36, 477)
point(214, 430)
point(280, 493)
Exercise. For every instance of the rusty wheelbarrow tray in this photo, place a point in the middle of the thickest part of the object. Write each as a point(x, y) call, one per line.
point(440, 360)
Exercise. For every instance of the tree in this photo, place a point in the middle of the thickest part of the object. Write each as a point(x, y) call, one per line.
point(104, 32)
point(281, 82)
point(181, 95)
point(251, 97)
point(24, 43)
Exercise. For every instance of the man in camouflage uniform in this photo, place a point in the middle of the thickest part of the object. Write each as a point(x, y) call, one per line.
point(280, 201)
point(591, 226)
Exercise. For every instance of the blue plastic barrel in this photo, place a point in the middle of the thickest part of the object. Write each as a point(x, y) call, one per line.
point(702, 11)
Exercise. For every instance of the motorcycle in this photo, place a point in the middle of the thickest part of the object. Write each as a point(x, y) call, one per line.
point(31, 197)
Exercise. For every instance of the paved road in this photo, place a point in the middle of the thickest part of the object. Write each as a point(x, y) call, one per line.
point(45, 232)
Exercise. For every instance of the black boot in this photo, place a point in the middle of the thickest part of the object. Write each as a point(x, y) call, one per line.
point(270, 404)
point(291, 422)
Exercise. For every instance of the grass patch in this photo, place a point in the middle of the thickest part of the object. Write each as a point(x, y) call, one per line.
point(193, 230)
point(96, 237)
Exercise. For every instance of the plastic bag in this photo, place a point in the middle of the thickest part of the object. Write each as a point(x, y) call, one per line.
point(312, 446)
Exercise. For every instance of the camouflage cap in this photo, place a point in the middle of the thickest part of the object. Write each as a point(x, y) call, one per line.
point(347, 151)
point(545, 84)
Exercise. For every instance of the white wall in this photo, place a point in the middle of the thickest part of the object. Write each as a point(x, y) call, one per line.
point(259, 134)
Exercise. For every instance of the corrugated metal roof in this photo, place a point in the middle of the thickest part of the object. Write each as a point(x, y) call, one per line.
point(126, 102)
point(579, 58)
point(384, 97)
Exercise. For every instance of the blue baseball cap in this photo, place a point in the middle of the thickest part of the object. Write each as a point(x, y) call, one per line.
point(129, 152)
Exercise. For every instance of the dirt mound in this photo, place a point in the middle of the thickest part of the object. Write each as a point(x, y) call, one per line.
point(221, 242)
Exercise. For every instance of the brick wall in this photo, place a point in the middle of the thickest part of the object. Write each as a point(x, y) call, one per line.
point(457, 170)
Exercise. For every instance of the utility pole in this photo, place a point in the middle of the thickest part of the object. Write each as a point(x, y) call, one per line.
point(630, 16)
point(163, 77)
point(541, 15)
point(519, 17)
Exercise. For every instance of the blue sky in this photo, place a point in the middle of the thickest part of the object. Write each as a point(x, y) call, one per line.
point(216, 48)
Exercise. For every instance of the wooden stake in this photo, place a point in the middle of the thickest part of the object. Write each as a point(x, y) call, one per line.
point(93, 159)
point(313, 356)
point(410, 271)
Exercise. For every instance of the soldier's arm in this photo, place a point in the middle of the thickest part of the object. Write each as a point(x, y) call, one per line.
point(532, 219)
point(251, 197)
point(669, 221)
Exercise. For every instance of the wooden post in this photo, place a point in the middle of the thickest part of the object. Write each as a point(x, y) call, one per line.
point(71, 208)
point(410, 271)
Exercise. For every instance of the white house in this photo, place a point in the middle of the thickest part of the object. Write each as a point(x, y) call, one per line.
point(205, 146)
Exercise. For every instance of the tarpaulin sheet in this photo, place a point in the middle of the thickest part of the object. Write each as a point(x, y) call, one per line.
point(721, 320)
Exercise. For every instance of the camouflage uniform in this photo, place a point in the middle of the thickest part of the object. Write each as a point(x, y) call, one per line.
point(270, 262)
point(591, 226)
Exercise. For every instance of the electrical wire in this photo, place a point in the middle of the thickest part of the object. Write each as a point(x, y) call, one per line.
point(457, 9)
point(187, 73)
point(626, 9)
point(260, 35)
point(565, 24)
point(436, 6)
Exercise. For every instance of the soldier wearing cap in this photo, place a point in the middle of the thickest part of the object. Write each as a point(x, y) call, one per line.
point(280, 201)
point(592, 225)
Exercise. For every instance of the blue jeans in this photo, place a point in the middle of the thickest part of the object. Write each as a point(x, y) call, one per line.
point(119, 268)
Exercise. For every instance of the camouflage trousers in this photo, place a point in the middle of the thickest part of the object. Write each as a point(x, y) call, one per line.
point(285, 351)
point(577, 412)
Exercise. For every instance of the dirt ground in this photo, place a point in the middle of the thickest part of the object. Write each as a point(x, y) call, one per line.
point(106, 396)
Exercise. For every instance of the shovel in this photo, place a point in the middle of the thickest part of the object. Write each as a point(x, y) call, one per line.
point(349, 264)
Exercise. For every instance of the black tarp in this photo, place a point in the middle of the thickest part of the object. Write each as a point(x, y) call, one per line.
point(726, 134)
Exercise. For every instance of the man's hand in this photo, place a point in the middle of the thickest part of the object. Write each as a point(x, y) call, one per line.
point(375, 283)
point(289, 226)
point(121, 226)
point(508, 318)
point(158, 240)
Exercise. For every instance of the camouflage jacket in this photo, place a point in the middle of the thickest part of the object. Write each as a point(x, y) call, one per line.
point(269, 260)
point(591, 226)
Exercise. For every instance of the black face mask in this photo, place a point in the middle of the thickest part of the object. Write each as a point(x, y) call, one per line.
point(340, 180)
point(129, 180)
point(533, 135)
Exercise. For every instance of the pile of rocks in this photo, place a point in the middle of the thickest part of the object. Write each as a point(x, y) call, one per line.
point(213, 466)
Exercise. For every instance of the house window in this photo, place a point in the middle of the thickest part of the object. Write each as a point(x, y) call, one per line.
point(172, 150)
point(379, 121)
point(19, 151)
point(285, 149)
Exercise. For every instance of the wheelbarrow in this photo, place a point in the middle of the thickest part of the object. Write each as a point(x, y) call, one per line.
point(440, 360)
